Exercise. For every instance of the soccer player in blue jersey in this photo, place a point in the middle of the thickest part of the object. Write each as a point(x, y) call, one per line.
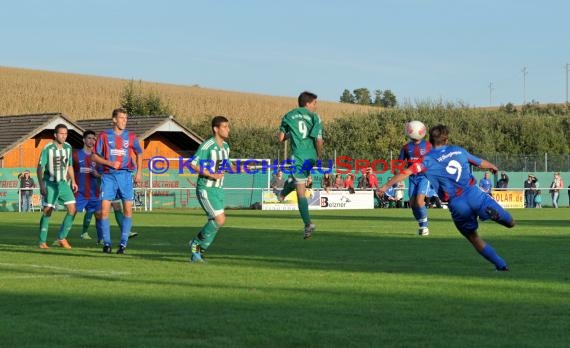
point(115, 149)
point(413, 152)
point(87, 196)
point(447, 168)
point(485, 184)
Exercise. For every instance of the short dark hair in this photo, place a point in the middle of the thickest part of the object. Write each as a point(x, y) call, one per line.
point(438, 135)
point(118, 111)
point(306, 98)
point(87, 133)
point(59, 126)
point(217, 121)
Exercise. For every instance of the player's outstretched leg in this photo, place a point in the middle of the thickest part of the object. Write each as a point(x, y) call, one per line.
point(288, 187)
point(487, 251)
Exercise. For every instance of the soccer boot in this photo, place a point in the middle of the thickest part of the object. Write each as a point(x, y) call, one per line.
point(63, 243)
point(85, 236)
point(107, 249)
point(423, 231)
point(309, 229)
point(43, 246)
point(133, 235)
point(121, 249)
point(196, 255)
point(505, 268)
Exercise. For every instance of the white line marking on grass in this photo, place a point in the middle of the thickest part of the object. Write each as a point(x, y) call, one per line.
point(67, 270)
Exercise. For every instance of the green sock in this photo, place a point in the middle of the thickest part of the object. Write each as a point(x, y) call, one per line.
point(288, 187)
point(208, 233)
point(303, 205)
point(119, 218)
point(65, 226)
point(44, 225)
point(87, 221)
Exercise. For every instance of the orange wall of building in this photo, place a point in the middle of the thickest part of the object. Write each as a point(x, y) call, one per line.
point(27, 154)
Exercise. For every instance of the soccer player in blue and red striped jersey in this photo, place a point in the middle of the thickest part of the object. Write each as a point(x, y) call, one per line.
point(412, 152)
point(120, 153)
point(87, 178)
point(447, 168)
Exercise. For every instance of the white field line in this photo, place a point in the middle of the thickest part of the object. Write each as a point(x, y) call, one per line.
point(70, 271)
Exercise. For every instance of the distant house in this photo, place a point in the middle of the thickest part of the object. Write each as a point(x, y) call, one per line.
point(22, 137)
point(159, 135)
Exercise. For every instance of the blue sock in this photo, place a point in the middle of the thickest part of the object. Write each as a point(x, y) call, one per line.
point(126, 230)
point(421, 215)
point(106, 231)
point(99, 229)
point(489, 253)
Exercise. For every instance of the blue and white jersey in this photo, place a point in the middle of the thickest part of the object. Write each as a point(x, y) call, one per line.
point(448, 169)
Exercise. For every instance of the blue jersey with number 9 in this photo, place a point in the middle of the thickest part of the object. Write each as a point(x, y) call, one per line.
point(448, 170)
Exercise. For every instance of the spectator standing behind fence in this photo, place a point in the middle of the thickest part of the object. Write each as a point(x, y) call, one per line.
point(555, 187)
point(26, 189)
point(338, 182)
point(348, 183)
point(326, 184)
point(529, 187)
point(277, 182)
point(309, 184)
point(503, 182)
point(485, 184)
point(538, 199)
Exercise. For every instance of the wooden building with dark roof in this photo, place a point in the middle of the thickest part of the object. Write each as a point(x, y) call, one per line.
point(159, 135)
point(22, 137)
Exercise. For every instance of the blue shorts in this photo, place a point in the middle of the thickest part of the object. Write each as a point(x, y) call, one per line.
point(474, 203)
point(90, 205)
point(418, 185)
point(118, 185)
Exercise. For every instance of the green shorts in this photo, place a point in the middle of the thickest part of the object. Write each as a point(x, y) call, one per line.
point(302, 169)
point(57, 193)
point(212, 200)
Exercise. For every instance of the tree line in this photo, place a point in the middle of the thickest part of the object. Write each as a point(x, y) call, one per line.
point(532, 129)
point(363, 96)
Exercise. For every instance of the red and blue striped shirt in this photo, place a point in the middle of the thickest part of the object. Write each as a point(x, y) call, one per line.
point(88, 184)
point(118, 147)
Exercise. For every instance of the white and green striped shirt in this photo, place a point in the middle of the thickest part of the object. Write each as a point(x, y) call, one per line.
point(55, 161)
point(208, 153)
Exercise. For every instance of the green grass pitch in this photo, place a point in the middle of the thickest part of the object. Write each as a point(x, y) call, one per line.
point(364, 280)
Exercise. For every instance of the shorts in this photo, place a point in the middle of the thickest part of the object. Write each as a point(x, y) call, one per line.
point(118, 185)
point(473, 204)
point(212, 200)
point(57, 192)
point(418, 185)
point(302, 169)
point(90, 205)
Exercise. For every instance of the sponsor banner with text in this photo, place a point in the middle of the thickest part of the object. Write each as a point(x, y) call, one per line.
point(509, 199)
point(321, 200)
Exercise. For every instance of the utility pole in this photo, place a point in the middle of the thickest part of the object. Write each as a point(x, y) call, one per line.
point(491, 93)
point(567, 70)
point(524, 71)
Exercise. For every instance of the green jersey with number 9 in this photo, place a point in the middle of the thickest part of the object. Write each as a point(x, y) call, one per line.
point(303, 127)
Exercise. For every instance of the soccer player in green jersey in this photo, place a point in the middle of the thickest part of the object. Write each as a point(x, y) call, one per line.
point(54, 169)
point(304, 128)
point(211, 155)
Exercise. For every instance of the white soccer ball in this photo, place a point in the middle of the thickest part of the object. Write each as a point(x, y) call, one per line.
point(415, 130)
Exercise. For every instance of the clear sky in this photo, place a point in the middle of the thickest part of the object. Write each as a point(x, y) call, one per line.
point(449, 50)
